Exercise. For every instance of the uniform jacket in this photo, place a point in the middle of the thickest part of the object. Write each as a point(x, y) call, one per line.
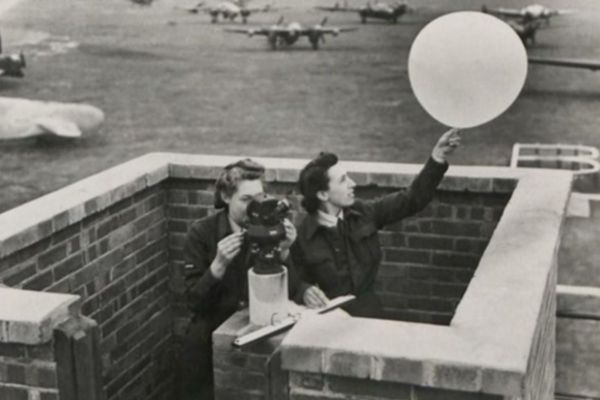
point(217, 299)
point(345, 259)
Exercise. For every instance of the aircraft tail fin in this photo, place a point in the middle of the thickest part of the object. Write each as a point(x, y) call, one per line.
point(280, 20)
point(59, 127)
point(324, 21)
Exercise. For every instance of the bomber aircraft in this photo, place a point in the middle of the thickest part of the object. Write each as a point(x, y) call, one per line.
point(529, 13)
point(229, 10)
point(282, 34)
point(379, 10)
point(525, 29)
point(11, 64)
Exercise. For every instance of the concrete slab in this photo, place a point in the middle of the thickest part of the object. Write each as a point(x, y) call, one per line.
point(29, 317)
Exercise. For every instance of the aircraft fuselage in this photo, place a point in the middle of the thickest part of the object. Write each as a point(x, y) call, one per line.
point(228, 10)
point(526, 31)
point(382, 11)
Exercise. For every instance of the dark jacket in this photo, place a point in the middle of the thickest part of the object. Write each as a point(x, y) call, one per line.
point(345, 259)
point(217, 299)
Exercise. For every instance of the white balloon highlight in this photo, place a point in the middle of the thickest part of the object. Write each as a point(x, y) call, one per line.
point(466, 68)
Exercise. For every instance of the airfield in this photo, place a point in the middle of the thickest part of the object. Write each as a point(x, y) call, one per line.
point(172, 81)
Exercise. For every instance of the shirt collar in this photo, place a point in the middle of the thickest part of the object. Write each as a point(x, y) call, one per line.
point(312, 224)
point(328, 220)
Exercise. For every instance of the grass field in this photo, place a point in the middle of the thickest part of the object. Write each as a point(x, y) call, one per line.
point(171, 81)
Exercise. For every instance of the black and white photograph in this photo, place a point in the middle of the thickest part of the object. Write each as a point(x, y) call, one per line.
point(299, 200)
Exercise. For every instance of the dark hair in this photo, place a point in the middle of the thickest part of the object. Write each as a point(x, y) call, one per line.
point(227, 183)
point(313, 178)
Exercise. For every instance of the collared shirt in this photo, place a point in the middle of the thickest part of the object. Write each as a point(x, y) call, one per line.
point(346, 260)
point(329, 220)
point(213, 298)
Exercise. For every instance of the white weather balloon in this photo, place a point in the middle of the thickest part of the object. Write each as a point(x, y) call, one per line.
point(466, 68)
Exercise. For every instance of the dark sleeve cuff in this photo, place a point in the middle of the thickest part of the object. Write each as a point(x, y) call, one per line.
point(299, 296)
point(432, 163)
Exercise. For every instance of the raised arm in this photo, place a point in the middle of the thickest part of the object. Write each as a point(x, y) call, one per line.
point(395, 206)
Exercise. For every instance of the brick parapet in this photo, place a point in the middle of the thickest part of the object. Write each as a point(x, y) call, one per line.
point(116, 259)
point(30, 223)
point(251, 372)
point(500, 340)
point(112, 238)
point(28, 368)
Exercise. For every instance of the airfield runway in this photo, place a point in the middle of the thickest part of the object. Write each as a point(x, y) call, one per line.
point(172, 81)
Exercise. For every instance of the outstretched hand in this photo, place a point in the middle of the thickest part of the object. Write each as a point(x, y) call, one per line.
point(446, 145)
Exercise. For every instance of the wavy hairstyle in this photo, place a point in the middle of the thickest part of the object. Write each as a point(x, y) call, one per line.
point(227, 183)
point(313, 178)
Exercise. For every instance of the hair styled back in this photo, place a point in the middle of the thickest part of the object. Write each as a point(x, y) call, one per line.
point(227, 183)
point(313, 178)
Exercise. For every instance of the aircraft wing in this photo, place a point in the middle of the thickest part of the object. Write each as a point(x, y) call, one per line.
point(567, 62)
point(564, 12)
point(505, 12)
point(251, 31)
point(347, 9)
point(327, 30)
point(267, 8)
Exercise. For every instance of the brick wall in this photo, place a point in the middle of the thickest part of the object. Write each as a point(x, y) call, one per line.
point(117, 261)
point(250, 373)
point(188, 201)
point(429, 258)
point(27, 372)
point(305, 386)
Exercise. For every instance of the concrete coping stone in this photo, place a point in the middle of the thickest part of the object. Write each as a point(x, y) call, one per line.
point(578, 302)
point(29, 317)
point(486, 347)
point(39, 218)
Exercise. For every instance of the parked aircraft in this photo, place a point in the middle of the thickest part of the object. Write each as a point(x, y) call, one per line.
point(593, 65)
point(282, 34)
point(22, 118)
point(229, 10)
point(142, 2)
point(529, 13)
point(525, 29)
point(11, 64)
point(378, 10)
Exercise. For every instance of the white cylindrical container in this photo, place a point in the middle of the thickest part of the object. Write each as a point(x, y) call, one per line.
point(268, 297)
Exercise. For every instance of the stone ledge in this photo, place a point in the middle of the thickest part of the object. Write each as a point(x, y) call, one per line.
point(578, 302)
point(38, 219)
point(29, 317)
point(458, 178)
point(501, 306)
